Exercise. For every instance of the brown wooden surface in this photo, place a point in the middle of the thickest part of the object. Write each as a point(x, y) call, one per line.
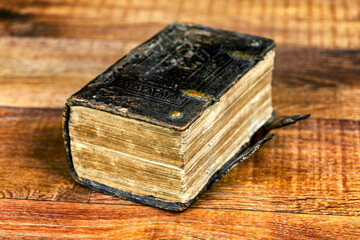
point(304, 184)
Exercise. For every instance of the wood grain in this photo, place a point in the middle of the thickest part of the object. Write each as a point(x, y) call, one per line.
point(306, 23)
point(304, 184)
point(56, 220)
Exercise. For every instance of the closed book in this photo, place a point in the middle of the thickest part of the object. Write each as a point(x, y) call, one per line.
point(172, 116)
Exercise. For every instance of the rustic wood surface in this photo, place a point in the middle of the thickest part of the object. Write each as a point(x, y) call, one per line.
point(304, 184)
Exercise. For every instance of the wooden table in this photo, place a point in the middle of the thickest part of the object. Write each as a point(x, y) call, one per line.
point(304, 184)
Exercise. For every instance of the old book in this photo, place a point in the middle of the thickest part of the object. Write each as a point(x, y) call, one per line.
point(169, 118)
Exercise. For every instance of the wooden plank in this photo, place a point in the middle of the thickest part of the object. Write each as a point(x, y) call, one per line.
point(304, 23)
point(319, 81)
point(305, 79)
point(32, 157)
point(56, 220)
point(311, 167)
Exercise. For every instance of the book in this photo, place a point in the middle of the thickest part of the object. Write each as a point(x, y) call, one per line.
point(171, 117)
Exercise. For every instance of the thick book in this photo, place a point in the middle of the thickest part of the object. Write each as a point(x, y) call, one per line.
point(172, 116)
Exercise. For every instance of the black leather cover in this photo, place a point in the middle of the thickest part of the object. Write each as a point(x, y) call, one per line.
point(182, 69)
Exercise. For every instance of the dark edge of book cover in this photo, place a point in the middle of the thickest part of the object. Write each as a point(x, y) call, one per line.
point(182, 69)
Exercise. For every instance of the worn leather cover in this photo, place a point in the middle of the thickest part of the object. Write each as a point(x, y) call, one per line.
point(156, 78)
point(169, 81)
